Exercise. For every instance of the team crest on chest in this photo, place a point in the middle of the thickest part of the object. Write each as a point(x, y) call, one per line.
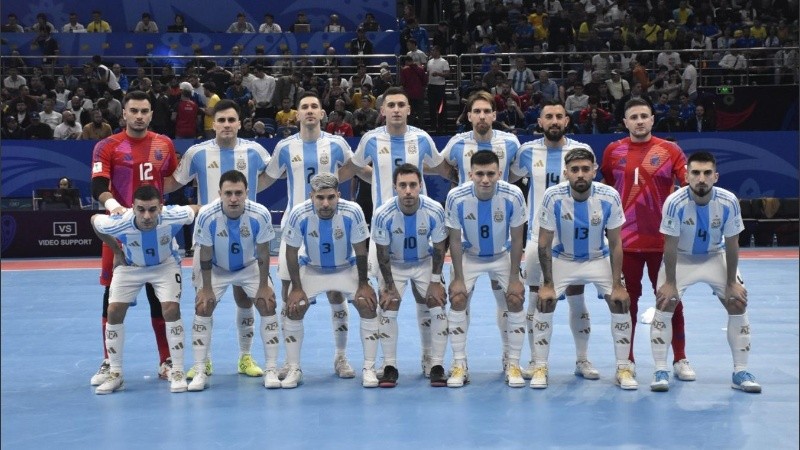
point(159, 155)
point(244, 232)
point(412, 148)
point(498, 215)
point(596, 219)
point(422, 230)
point(716, 222)
point(164, 240)
point(324, 158)
point(338, 233)
point(241, 164)
point(499, 152)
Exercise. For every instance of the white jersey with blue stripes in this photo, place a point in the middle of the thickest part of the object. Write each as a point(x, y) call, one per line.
point(460, 148)
point(409, 237)
point(234, 241)
point(207, 161)
point(701, 229)
point(151, 247)
point(485, 224)
point(544, 167)
point(326, 243)
point(579, 227)
point(386, 152)
point(301, 160)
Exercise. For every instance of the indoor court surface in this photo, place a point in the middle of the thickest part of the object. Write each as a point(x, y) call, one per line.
point(51, 346)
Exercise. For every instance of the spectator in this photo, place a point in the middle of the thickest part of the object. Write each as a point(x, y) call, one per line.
point(69, 129)
point(337, 126)
point(785, 61)
point(301, 20)
point(341, 107)
point(442, 37)
point(287, 86)
point(48, 115)
point(246, 132)
point(689, 77)
point(185, 113)
point(13, 82)
point(37, 129)
point(360, 78)
point(236, 61)
point(510, 119)
point(364, 94)
point(178, 25)
point(96, 129)
point(383, 82)
point(593, 119)
point(103, 79)
point(260, 130)
point(122, 79)
point(241, 95)
point(76, 106)
point(672, 122)
point(639, 75)
point(360, 45)
point(369, 23)
point(701, 42)
point(415, 32)
point(287, 116)
point(661, 107)
point(605, 100)
point(651, 31)
point(547, 87)
point(682, 13)
point(333, 25)
point(48, 46)
point(12, 26)
point(494, 76)
point(114, 105)
point(417, 56)
point(413, 79)
point(687, 108)
point(30, 101)
point(11, 129)
point(263, 90)
point(42, 24)
point(734, 67)
point(269, 25)
point(62, 95)
point(745, 40)
point(669, 58)
point(210, 91)
point(146, 25)
point(576, 103)
point(700, 122)
point(366, 107)
point(73, 26)
point(241, 25)
point(520, 75)
point(98, 25)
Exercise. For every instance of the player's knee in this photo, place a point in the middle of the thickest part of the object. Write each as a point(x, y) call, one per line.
point(266, 307)
point(734, 307)
point(172, 311)
point(116, 313)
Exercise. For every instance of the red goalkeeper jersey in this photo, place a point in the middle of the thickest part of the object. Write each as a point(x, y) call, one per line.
point(644, 174)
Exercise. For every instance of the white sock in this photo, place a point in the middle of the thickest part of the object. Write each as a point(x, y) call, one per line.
point(369, 340)
point(293, 331)
point(502, 317)
point(245, 327)
point(457, 329)
point(424, 323)
point(438, 335)
point(580, 325)
point(339, 319)
point(516, 335)
point(115, 341)
point(175, 342)
point(201, 337)
point(738, 339)
point(388, 330)
point(271, 340)
point(661, 338)
point(534, 298)
point(542, 335)
point(621, 333)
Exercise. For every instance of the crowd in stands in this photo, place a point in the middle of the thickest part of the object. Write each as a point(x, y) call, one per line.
point(598, 42)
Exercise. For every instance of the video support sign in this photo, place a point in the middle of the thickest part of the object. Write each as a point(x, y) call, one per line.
point(35, 234)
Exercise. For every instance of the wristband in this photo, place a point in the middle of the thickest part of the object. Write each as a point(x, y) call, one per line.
point(436, 278)
point(111, 204)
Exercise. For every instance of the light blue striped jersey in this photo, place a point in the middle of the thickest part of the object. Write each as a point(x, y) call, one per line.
point(701, 229)
point(301, 160)
point(234, 240)
point(206, 162)
point(579, 227)
point(326, 243)
point(152, 247)
point(544, 166)
point(386, 152)
point(409, 237)
point(461, 147)
point(485, 224)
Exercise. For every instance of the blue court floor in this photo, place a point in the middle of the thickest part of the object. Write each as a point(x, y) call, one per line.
point(51, 345)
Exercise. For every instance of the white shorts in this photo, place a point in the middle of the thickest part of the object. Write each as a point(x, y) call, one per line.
point(533, 271)
point(128, 281)
point(692, 269)
point(498, 268)
point(418, 273)
point(316, 281)
point(248, 279)
point(568, 273)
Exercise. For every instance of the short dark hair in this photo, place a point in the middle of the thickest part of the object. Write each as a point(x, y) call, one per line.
point(226, 104)
point(395, 90)
point(233, 176)
point(484, 158)
point(309, 93)
point(146, 192)
point(135, 95)
point(637, 102)
point(578, 153)
point(701, 157)
point(404, 169)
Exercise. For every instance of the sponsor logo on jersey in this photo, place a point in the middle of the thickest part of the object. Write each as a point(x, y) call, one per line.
point(567, 216)
point(297, 158)
point(223, 233)
point(688, 221)
point(134, 244)
point(213, 165)
point(470, 216)
point(398, 230)
point(97, 167)
point(538, 163)
point(384, 151)
point(314, 234)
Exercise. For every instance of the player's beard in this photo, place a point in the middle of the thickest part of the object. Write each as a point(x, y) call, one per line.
point(554, 134)
point(581, 186)
point(701, 190)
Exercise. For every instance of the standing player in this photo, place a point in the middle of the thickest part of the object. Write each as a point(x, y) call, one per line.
point(141, 241)
point(403, 230)
point(485, 219)
point(329, 230)
point(574, 219)
point(644, 170)
point(386, 148)
point(120, 164)
point(206, 162)
point(481, 112)
point(541, 161)
point(701, 225)
point(299, 157)
point(233, 234)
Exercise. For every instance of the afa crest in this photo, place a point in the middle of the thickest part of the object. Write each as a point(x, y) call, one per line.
point(498, 216)
point(244, 231)
point(241, 164)
point(324, 158)
point(164, 240)
point(716, 223)
point(338, 233)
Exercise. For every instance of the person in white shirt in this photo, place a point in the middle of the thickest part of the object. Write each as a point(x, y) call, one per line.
point(146, 25)
point(142, 242)
point(69, 129)
point(669, 58)
point(689, 77)
point(269, 25)
point(333, 25)
point(734, 64)
point(438, 70)
point(73, 26)
point(575, 103)
point(263, 90)
point(241, 25)
point(48, 115)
